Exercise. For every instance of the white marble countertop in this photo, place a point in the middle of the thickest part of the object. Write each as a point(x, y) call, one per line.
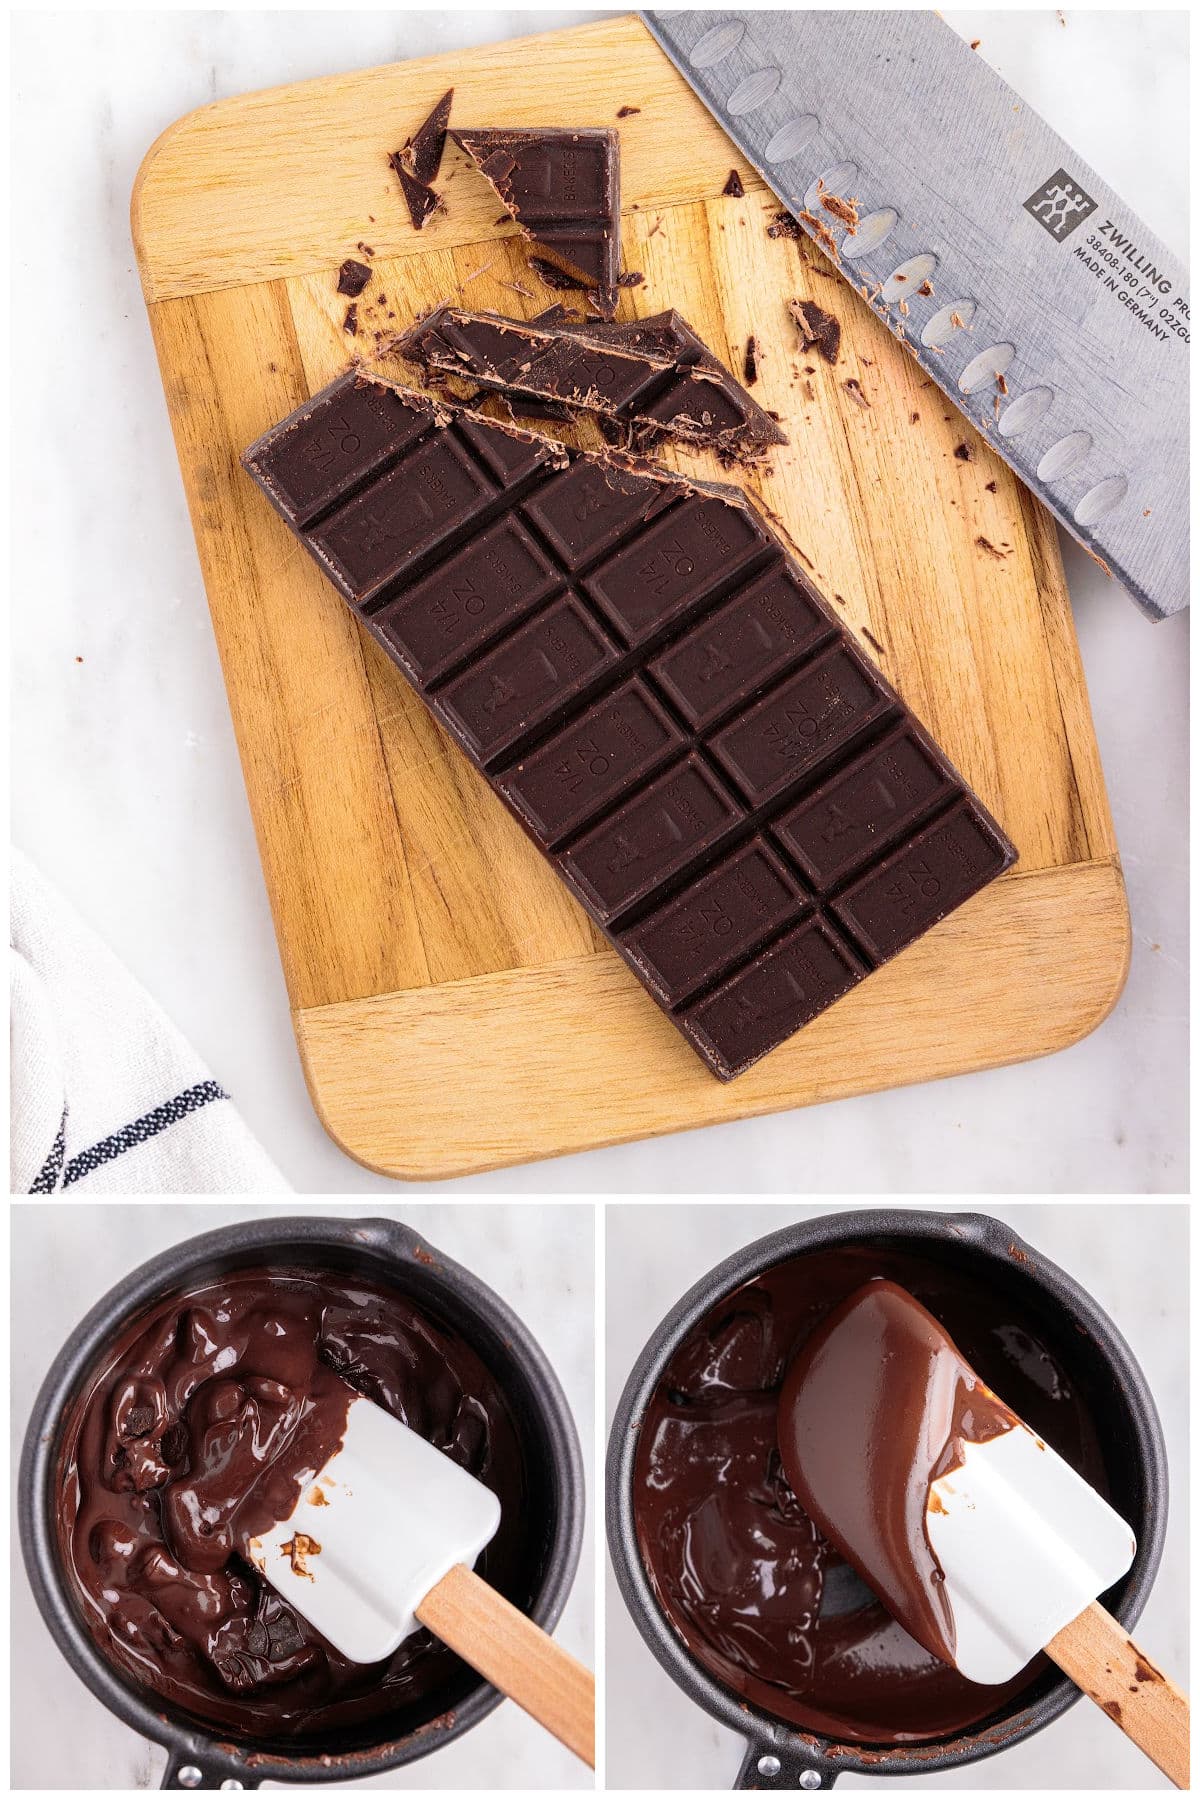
point(539, 1259)
point(128, 790)
point(1133, 1259)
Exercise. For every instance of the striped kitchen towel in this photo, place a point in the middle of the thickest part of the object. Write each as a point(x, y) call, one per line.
point(106, 1095)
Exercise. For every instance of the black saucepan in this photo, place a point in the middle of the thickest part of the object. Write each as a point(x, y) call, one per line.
point(1095, 1355)
point(451, 1296)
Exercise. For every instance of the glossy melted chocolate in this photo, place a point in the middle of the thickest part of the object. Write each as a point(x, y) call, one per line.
point(187, 1441)
point(757, 1593)
point(876, 1408)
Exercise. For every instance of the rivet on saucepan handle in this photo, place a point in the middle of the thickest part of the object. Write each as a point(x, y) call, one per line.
point(775, 1763)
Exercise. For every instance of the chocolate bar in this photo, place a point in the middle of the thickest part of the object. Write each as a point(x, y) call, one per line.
point(657, 377)
point(740, 801)
point(564, 190)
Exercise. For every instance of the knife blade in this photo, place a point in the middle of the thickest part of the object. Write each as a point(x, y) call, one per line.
point(1034, 297)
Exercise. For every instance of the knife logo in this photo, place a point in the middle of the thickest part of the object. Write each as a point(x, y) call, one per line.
point(1059, 205)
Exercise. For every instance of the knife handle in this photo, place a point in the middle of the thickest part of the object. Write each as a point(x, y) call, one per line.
point(1101, 1658)
point(516, 1656)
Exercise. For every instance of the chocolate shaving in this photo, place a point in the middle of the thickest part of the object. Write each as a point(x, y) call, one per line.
point(926, 287)
point(963, 453)
point(874, 642)
point(733, 187)
point(553, 277)
point(987, 545)
point(631, 278)
point(352, 278)
point(817, 328)
point(627, 112)
point(350, 322)
point(845, 210)
point(822, 234)
point(854, 389)
point(365, 248)
point(750, 363)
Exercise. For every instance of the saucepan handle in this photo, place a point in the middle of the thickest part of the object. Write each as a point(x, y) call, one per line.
point(783, 1762)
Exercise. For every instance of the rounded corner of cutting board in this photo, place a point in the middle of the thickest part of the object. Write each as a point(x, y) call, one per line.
point(146, 173)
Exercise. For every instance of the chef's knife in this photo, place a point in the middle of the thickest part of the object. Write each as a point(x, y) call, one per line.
point(1034, 297)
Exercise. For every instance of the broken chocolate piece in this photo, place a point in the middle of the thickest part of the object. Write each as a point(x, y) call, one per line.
point(733, 187)
point(817, 328)
point(627, 112)
point(423, 153)
point(563, 190)
point(350, 322)
point(750, 363)
point(421, 200)
point(656, 375)
point(963, 452)
point(352, 278)
point(652, 685)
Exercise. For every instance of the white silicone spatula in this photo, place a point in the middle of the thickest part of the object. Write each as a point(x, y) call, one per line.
point(383, 1540)
point(980, 1539)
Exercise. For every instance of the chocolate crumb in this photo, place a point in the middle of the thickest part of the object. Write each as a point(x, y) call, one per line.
point(655, 229)
point(784, 226)
point(1099, 561)
point(1001, 383)
point(963, 453)
point(352, 278)
point(975, 43)
point(627, 112)
point(750, 362)
point(914, 418)
point(365, 248)
point(810, 392)
point(631, 278)
point(733, 187)
point(986, 545)
point(991, 487)
point(818, 328)
point(79, 659)
point(926, 287)
point(381, 300)
point(874, 642)
point(854, 389)
point(350, 322)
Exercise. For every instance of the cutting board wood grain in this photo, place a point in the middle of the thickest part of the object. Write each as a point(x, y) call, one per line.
point(454, 1009)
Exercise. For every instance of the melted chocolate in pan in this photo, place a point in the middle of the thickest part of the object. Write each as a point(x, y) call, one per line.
point(193, 1404)
point(756, 1593)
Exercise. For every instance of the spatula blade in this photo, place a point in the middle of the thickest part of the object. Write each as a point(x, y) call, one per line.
point(1025, 1545)
point(373, 1532)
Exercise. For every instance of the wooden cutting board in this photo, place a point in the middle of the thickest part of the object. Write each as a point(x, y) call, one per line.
point(454, 1009)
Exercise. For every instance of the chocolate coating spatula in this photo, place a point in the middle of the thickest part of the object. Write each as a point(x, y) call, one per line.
point(979, 1539)
point(382, 1540)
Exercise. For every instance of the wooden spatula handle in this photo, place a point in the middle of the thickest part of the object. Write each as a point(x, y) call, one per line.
point(516, 1656)
point(1101, 1658)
